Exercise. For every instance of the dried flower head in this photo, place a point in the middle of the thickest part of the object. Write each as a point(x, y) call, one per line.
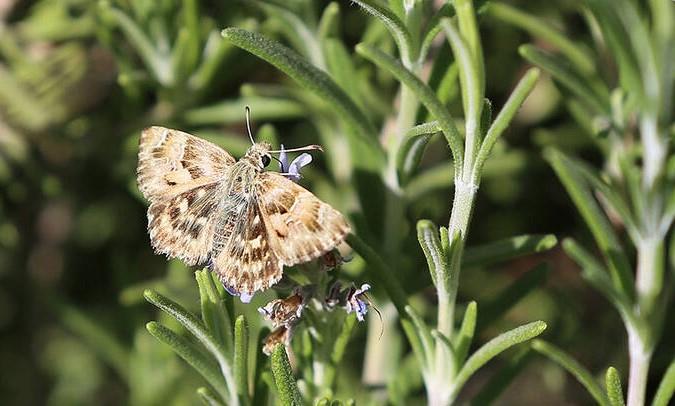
point(284, 311)
point(280, 335)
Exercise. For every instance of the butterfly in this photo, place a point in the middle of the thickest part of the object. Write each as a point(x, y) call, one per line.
point(243, 222)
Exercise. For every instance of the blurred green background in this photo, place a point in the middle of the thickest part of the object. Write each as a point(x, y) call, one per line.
point(77, 87)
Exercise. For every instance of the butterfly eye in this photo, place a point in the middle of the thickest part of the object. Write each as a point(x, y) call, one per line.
point(266, 160)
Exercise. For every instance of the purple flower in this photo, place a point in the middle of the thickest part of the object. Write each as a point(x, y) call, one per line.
point(243, 296)
point(292, 170)
point(357, 301)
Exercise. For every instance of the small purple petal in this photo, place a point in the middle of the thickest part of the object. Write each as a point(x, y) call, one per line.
point(356, 304)
point(244, 297)
point(232, 291)
point(292, 170)
point(283, 160)
point(300, 161)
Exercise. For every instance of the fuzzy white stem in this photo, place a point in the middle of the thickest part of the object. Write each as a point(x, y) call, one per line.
point(640, 357)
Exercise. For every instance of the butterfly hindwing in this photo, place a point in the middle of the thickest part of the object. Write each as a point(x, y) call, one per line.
point(183, 226)
point(245, 263)
point(300, 226)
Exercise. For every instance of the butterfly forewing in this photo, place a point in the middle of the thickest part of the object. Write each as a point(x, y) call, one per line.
point(301, 227)
point(169, 158)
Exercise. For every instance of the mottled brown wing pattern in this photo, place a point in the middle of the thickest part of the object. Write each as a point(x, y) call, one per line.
point(167, 158)
point(245, 263)
point(183, 226)
point(180, 175)
point(300, 226)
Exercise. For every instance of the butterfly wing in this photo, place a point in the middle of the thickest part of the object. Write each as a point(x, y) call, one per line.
point(170, 158)
point(242, 256)
point(181, 176)
point(183, 225)
point(300, 226)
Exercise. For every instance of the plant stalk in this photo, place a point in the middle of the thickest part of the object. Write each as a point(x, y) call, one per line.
point(640, 357)
point(649, 276)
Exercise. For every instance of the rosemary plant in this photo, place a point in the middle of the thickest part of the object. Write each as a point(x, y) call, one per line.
point(630, 117)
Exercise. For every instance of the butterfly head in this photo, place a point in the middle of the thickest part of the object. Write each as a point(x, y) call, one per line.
point(258, 155)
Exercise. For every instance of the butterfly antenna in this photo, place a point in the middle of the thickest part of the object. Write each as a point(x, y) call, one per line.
point(248, 124)
point(312, 147)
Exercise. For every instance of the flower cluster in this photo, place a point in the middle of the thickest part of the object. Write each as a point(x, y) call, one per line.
point(286, 314)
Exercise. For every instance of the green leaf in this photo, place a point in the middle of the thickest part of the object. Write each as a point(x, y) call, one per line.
point(596, 98)
point(296, 30)
point(427, 235)
point(666, 388)
point(462, 341)
point(468, 33)
point(379, 271)
point(610, 192)
point(576, 53)
point(342, 340)
point(433, 28)
point(423, 333)
point(158, 64)
point(181, 346)
point(602, 231)
point(613, 385)
point(493, 348)
point(214, 314)
point(572, 366)
point(423, 92)
point(514, 293)
point(394, 25)
point(506, 114)
point(593, 272)
point(232, 111)
point(341, 68)
point(618, 42)
point(449, 354)
point(506, 249)
point(261, 373)
point(210, 65)
point(330, 19)
point(241, 358)
point(470, 80)
point(287, 388)
point(194, 326)
point(313, 80)
point(208, 397)
point(410, 152)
